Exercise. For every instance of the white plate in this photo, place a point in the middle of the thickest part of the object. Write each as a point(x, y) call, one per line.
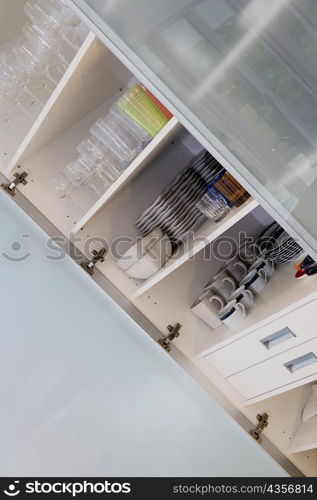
point(182, 199)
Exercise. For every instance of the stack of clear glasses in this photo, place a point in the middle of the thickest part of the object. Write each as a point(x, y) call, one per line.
point(32, 64)
point(115, 140)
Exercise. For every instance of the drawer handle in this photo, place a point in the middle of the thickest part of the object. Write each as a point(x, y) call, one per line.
point(277, 337)
point(301, 362)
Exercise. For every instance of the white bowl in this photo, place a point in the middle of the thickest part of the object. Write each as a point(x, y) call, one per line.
point(144, 268)
point(152, 261)
point(139, 249)
point(161, 250)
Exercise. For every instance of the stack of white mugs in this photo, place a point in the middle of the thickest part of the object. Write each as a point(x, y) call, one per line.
point(230, 294)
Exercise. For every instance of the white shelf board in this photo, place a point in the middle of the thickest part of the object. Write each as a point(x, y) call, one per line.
point(32, 130)
point(136, 166)
point(45, 165)
point(208, 233)
point(305, 438)
point(282, 294)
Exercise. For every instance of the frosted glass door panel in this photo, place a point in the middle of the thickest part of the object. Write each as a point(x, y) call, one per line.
point(244, 73)
point(85, 391)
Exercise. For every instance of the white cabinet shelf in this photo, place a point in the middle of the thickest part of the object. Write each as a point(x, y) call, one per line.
point(282, 293)
point(16, 141)
point(208, 233)
point(96, 83)
point(132, 170)
point(305, 437)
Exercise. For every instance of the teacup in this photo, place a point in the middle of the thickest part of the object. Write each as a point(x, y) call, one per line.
point(223, 286)
point(243, 295)
point(248, 252)
point(237, 269)
point(204, 307)
point(265, 267)
point(220, 274)
point(254, 281)
point(233, 314)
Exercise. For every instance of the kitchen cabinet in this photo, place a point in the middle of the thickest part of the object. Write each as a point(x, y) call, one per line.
point(102, 69)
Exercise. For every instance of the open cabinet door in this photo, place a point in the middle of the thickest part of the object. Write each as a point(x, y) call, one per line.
point(85, 391)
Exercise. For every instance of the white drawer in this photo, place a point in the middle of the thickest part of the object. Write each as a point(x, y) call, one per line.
point(278, 372)
point(288, 331)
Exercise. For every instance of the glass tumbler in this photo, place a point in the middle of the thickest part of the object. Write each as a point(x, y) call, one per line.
point(78, 172)
point(137, 104)
point(130, 126)
point(213, 205)
point(113, 137)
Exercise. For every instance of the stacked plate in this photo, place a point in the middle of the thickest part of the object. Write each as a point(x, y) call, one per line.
point(174, 210)
point(275, 243)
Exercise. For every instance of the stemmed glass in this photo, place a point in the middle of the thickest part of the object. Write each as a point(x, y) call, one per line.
point(34, 62)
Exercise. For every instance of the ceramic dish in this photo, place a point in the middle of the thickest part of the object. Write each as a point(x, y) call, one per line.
point(159, 208)
point(139, 249)
point(167, 192)
point(152, 261)
point(173, 212)
point(192, 185)
point(203, 170)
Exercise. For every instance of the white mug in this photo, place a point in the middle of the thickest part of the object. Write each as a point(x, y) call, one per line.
point(248, 252)
point(204, 307)
point(265, 267)
point(237, 269)
point(254, 281)
point(233, 314)
point(223, 286)
point(244, 296)
point(220, 274)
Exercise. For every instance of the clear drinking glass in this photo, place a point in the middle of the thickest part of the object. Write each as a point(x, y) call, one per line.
point(130, 125)
point(101, 159)
point(13, 87)
point(138, 105)
point(213, 205)
point(78, 172)
point(61, 185)
point(32, 66)
point(113, 138)
point(91, 145)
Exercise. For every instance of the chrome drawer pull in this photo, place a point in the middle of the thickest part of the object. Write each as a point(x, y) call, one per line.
point(277, 338)
point(301, 362)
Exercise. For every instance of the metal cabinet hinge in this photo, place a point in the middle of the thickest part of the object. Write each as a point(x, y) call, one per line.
point(166, 342)
point(11, 186)
point(98, 256)
point(263, 422)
